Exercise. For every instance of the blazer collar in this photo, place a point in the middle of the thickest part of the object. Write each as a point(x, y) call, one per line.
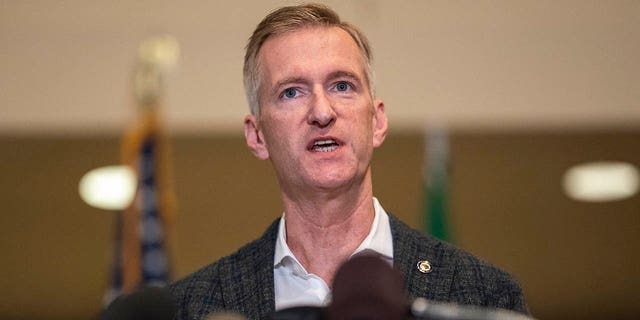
point(411, 247)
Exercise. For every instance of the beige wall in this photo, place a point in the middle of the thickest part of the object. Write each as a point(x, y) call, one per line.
point(574, 260)
point(65, 65)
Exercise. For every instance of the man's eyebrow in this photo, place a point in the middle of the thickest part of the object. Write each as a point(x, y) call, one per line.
point(343, 74)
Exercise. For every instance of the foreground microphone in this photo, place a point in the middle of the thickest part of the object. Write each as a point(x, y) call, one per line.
point(367, 287)
point(421, 308)
point(149, 303)
point(299, 313)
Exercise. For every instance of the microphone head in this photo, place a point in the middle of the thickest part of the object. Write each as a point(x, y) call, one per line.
point(149, 303)
point(299, 313)
point(367, 287)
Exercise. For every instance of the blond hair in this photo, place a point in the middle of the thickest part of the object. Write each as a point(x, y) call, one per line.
point(289, 19)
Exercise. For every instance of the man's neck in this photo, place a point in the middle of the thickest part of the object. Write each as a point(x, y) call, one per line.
point(323, 233)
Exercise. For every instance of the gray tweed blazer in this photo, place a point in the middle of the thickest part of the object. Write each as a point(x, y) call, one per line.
point(243, 281)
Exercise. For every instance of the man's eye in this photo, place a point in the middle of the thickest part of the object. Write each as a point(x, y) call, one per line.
point(290, 93)
point(343, 86)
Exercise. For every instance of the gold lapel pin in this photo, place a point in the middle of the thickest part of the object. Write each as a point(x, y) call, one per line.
point(424, 266)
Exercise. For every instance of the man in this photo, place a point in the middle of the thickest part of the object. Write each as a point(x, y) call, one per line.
point(308, 81)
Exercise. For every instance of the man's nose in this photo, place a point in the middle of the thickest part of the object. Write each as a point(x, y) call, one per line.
point(321, 113)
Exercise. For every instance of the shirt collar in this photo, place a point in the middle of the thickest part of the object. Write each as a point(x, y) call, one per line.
point(378, 240)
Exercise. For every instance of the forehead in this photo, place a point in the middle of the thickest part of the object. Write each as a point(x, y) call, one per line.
point(309, 52)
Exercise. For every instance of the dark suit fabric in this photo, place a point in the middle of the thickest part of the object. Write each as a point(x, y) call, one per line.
point(243, 281)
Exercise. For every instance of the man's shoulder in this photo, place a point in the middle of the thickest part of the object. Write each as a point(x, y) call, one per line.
point(246, 254)
point(449, 255)
point(455, 275)
point(203, 291)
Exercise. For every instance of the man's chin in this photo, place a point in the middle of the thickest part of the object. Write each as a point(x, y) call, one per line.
point(332, 182)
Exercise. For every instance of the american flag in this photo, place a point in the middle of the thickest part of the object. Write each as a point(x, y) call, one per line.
point(140, 252)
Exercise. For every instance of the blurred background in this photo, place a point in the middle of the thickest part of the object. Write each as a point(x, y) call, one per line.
point(518, 92)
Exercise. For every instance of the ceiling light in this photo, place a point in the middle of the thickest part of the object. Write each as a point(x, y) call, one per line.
point(601, 181)
point(108, 188)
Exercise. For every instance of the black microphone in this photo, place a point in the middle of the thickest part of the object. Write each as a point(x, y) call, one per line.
point(300, 313)
point(367, 287)
point(147, 303)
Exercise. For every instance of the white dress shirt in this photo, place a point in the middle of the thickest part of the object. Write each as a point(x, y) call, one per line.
point(294, 286)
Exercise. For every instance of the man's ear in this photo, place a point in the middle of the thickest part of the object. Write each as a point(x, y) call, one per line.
point(254, 137)
point(380, 123)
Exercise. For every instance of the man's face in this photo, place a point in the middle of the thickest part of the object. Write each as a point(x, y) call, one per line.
point(318, 122)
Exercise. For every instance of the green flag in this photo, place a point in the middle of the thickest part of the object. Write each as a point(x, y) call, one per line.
point(436, 176)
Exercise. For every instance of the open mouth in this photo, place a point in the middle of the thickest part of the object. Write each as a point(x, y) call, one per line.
point(324, 145)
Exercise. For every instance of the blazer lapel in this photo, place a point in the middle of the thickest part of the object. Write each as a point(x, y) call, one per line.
point(410, 247)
